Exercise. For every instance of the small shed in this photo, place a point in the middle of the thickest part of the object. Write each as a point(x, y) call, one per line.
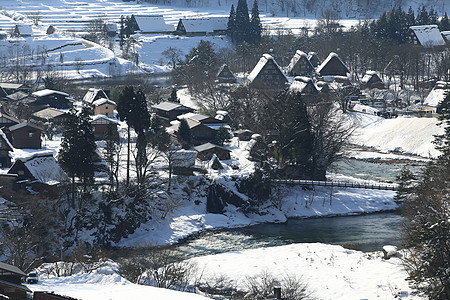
point(243, 134)
point(207, 150)
point(332, 66)
point(224, 75)
point(201, 133)
point(6, 120)
point(183, 162)
point(372, 80)
point(25, 135)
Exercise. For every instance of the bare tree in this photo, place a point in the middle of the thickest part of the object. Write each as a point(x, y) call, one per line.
point(35, 16)
point(173, 54)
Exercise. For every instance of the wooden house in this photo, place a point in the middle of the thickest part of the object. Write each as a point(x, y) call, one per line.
point(202, 26)
point(5, 148)
point(51, 98)
point(25, 135)
point(11, 88)
point(314, 59)
point(41, 167)
point(151, 24)
point(332, 66)
point(104, 106)
point(23, 30)
point(100, 124)
point(169, 111)
point(306, 87)
point(6, 120)
point(427, 36)
point(201, 133)
point(224, 75)
point(11, 282)
point(436, 95)
point(94, 94)
point(267, 74)
point(372, 80)
point(300, 65)
point(207, 150)
point(243, 134)
point(51, 115)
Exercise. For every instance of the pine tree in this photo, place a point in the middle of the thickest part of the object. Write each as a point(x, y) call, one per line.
point(173, 96)
point(427, 230)
point(255, 24)
point(444, 24)
point(77, 150)
point(422, 17)
point(410, 18)
point(231, 25)
point(241, 34)
point(184, 134)
point(132, 108)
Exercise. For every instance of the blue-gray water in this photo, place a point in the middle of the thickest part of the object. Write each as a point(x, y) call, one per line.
point(364, 232)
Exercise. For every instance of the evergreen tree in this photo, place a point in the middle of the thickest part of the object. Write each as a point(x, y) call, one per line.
point(427, 230)
point(422, 17)
point(222, 136)
point(231, 25)
point(433, 17)
point(255, 24)
point(132, 108)
point(77, 150)
point(444, 24)
point(410, 18)
point(241, 33)
point(111, 157)
point(173, 96)
point(184, 134)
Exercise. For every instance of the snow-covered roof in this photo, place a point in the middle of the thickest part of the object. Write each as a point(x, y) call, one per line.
point(44, 167)
point(91, 94)
point(168, 106)
point(446, 35)
point(300, 83)
point(331, 56)
point(208, 146)
point(46, 92)
point(260, 65)
point(98, 118)
point(184, 158)
point(298, 54)
point(428, 35)
point(437, 94)
point(102, 101)
point(152, 23)
point(24, 124)
point(368, 76)
point(205, 24)
point(8, 143)
point(49, 113)
point(25, 29)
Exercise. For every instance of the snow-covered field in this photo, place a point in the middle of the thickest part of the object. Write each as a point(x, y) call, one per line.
point(329, 272)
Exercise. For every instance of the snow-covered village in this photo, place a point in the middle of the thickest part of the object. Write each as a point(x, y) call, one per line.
point(180, 149)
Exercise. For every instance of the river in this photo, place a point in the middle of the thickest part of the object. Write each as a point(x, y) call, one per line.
point(367, 232)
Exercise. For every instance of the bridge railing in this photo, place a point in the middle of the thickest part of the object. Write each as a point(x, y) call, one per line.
point(338, 183)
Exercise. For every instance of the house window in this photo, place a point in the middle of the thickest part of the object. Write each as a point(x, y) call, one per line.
point(30, 134)
point(20, 172)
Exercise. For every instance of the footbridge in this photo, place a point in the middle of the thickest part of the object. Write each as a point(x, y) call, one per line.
point(337, 183)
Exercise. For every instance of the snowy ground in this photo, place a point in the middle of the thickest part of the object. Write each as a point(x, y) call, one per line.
point(329, 272)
